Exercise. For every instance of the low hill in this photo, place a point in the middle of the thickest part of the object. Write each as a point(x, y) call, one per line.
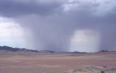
point(11, 49)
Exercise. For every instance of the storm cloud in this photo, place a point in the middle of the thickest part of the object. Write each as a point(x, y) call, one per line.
point(53, 23)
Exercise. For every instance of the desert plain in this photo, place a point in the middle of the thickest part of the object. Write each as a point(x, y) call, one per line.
point(58, 63)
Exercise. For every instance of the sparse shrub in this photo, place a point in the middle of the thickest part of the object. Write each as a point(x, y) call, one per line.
point(102, 71)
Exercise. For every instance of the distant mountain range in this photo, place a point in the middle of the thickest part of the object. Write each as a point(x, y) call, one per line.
point(11, 49)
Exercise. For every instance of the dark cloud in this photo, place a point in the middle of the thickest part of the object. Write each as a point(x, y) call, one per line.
point(54, 23)
point(16, 8)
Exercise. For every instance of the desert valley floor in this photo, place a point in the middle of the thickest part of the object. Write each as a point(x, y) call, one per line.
point(58, 63)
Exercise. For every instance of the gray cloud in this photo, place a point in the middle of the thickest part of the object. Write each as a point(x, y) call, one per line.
point(54, 22)
point(16, 8)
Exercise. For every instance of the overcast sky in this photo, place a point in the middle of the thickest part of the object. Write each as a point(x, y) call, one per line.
point(59, 25)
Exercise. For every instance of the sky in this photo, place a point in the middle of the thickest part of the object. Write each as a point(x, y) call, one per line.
point(59, 25)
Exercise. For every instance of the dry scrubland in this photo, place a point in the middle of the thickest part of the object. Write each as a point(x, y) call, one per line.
point(58, 63)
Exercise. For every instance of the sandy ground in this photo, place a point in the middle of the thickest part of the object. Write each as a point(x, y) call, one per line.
point(58, 63)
